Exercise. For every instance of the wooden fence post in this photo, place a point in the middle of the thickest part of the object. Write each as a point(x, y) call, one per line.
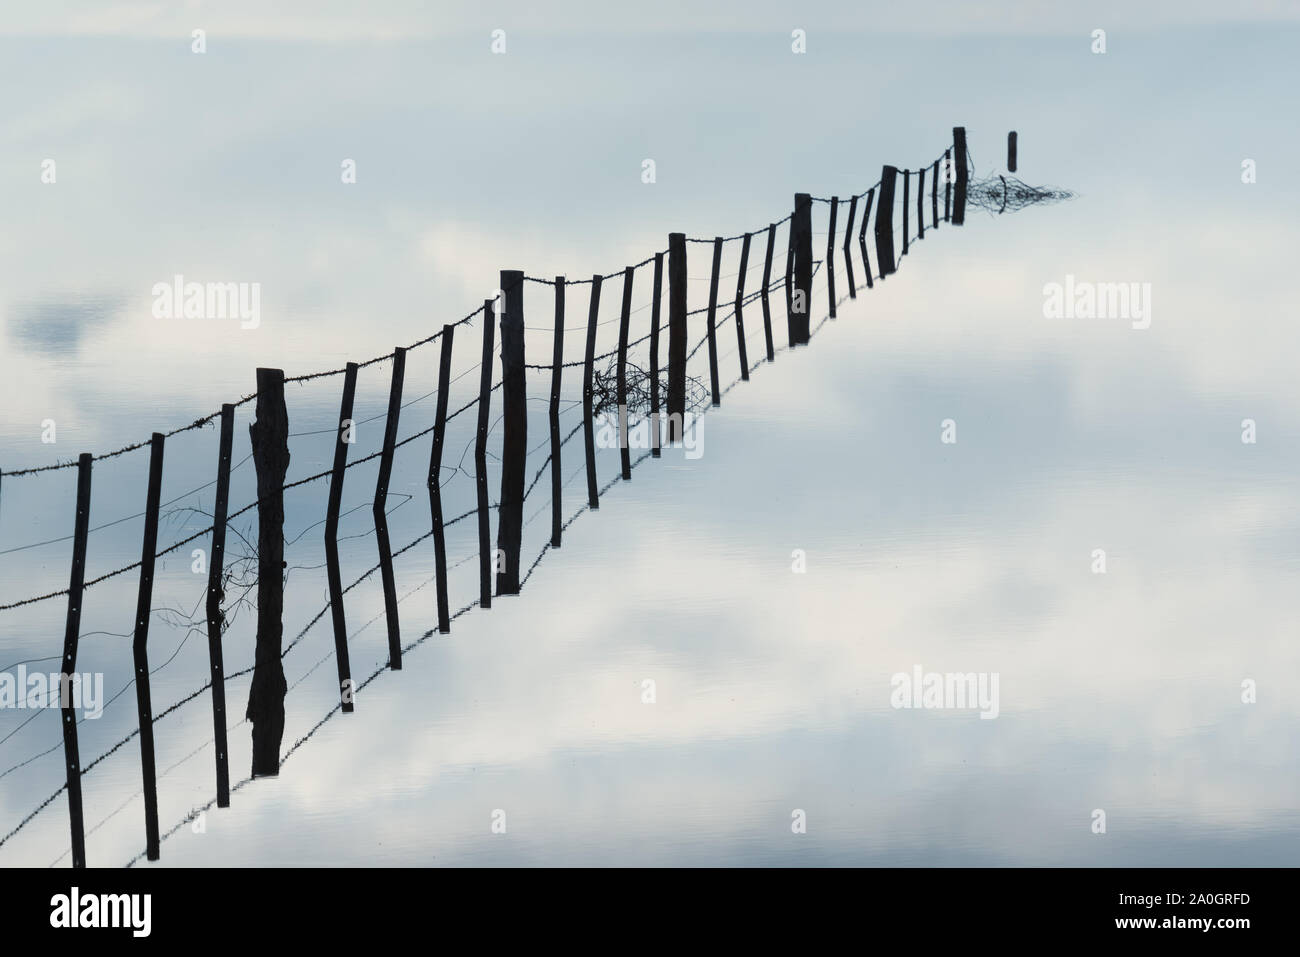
point(830, 255)
point(270, 439)
point(344, 434)
point(862, 234)
point(907, 177)
point(71, 636)
point(625, 452)
point(143, 608)
point(802, 228)
point(676, 335)
point(767, 284)
point(740, 302)
point(485, 555)
point(920, 203)
point(948, 177)
point(435, 481)
point(885, 222)
point(1011, 152)
point(959, 157)
point(588, 395)
point(380, 513)
point(557, 367)
point(654, 356)
point(216, 592)
point(710, 327)
point(514, 438)
point(934, 196)
point(790, 320)
point(848, 247)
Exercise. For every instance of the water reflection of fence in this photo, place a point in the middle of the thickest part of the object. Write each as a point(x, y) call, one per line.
point(269, 435)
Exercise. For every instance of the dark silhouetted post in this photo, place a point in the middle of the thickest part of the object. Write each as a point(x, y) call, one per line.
point(485, 556)
point(1011, 152)
point(143, 606)
point(514, 439)
point(71, 635)
point(920, 203)
point(959, 157)
point(790, 321)
point(710, 327)
point(216, 566)
point(344, 435)
point(907, 177)
point(654, 355)
point(625, 453)
point(270, 438)
point(557, 368)
point(947, 185)
point(862, 234)
point(435, 481)
point(380, 510)
point(676, 335)
point(830, 255)
point(767, 285)
point(885, 222)
point(740, 302)
point(588, 394)
point(802, 228)
point(848, 247)
point(934, 196)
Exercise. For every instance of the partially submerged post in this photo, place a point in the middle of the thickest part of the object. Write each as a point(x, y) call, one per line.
point(740, 302)
point(1011, 152)
point(830, 255)
point(557, 367)
point(848, 247)
point(885, 221)
point(140, 653)
point(514, 441)
point(862, 234)
point(654, 355)
point(625, 452)
point(380, 510)
point(962, 174)
point(344, 435)
point(588, 395)
point(71, 636)
point(710, 326)
point(216, 566)
point(485, 555)
point(802, 227)
point(767, 284)
point(676, 335)
point(435, 483)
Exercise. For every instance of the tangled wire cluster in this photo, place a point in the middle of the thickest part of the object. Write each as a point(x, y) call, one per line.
point(604, 384)
point(1002, 193)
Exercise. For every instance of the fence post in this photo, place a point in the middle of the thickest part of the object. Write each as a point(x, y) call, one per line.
point(343, 435)
point(862, 234)
point(767, 283)
point(885, 221)
point(920, 203)
point(485, 555)
point(740, 302)
point(934, 196)
point(589, 437)
point(557, 367)
point(625, 452)
point(907, 177)
point(216, 568)
point(802, 230)
point(1011, 152)
point(379, 510)
point(710, 327)
point(676, 335)
point(270, 439)
point(947, 185)
point(143, 607)
point(789, 284)
point(435, 480)
point(830, 255)
point(848, 247)
point(959, 157)
point(71, 635)
point(514, 438)
point(654, 355)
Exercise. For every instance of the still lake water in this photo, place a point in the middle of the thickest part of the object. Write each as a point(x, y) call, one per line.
point(1119, 691)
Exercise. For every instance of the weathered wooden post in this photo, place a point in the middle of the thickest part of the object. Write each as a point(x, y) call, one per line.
point(216, 592)
point(862, 234)
point(948, 178)
point(885, 221)
point(71, 636)
point(959, 157)
point(625, 452)
point(270, 439)
point(654, 356)
point(802, 302)
point(557, 368)
point(435, 483)
point(514, 439)
point(767, 285)
point(380, 510)
point(934, 196)
point(740, 302)
point(848, 247)
point(588, 395)
point(485, 555)
point(1011, 152)
point(143, 607)
point(907, 174)
point(710, 327)
point(676, 335)
point(920, 203)
point(790, 320)
point(830, 255)
point(344, 435)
